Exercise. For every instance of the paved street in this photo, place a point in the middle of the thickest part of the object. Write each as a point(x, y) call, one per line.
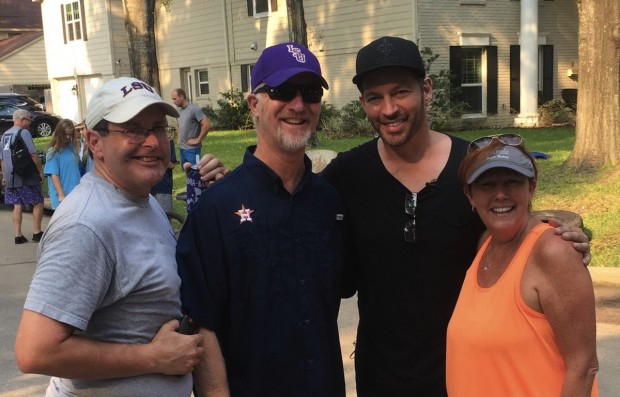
point(17, 264)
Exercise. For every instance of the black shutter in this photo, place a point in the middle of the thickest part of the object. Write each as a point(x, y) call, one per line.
point(547, 72)
point(250, 7)
point(244, 78)
point(455, 72)
point(492, 79)
point(515, 70)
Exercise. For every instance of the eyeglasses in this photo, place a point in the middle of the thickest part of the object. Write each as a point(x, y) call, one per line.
point(411, 204)
point(310, 93)
point(506, 139)
point(26, 119)
point(139, 134)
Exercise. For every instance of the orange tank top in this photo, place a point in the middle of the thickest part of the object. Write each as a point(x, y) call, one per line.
point(497, 345)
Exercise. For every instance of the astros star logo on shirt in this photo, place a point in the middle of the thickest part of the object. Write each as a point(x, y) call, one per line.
point(245, 214)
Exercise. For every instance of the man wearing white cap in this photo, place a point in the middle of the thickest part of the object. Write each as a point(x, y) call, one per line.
point(106, 280)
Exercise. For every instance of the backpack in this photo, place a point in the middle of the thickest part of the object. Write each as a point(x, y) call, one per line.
point(21, 157)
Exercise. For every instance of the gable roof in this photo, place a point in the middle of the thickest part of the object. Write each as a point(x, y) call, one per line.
point(20, 15)
point(14, 43)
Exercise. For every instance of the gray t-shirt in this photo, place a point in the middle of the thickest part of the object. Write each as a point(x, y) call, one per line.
point(5, 154)
point(107, 267)
point(189, 124)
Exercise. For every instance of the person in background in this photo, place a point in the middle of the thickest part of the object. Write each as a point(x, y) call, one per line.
point(261, 255)
point(62, 162)
point(103, 307)
point(21, 191)
point(162, 191)
point(84, 160)
point(524, 323)
point(193, 127)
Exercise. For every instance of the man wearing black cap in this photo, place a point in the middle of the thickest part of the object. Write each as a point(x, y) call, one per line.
point(414, 234)
point(260, 257)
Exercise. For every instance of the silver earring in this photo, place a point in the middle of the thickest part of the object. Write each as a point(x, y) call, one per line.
point(473, 209)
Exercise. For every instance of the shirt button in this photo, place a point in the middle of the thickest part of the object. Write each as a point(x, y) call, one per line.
point(310, 362)
point(302, 281)
point(307, 322)
point(297, 241)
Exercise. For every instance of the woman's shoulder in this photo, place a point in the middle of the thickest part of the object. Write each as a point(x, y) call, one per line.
point(553, 254)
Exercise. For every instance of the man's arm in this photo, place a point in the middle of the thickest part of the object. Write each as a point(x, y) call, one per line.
point(576, 235)
point(46, 346)
point(210, 374)
point(211, 169)
point(205, 125)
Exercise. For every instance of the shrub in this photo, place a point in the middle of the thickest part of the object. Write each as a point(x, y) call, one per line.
point(555, 111)
point(233, 112)
point(445, 107)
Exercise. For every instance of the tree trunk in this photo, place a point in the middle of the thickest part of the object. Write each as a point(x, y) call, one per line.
point(140, 26)
point(297, 32)
point(597, 139)
point(297, 22)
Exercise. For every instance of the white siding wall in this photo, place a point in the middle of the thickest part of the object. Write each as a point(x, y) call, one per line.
point(26, 66)
point(338, 29)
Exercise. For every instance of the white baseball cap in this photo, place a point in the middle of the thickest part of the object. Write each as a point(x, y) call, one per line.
point(119, 100)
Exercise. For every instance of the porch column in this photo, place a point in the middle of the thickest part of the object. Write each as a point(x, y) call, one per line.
point(528, 117)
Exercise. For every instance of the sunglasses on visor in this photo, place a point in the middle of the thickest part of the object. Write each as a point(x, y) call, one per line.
point(506, 139)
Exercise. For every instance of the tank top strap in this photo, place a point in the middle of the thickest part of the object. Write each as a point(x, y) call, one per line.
point(517, 265)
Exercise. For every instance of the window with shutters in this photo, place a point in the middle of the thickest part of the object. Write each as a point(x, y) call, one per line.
point(73, 24)
point(471, 78)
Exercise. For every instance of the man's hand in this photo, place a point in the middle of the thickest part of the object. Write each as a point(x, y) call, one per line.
point(210, 167)
point(175, 353)
point(193, 141)
point(579, 239)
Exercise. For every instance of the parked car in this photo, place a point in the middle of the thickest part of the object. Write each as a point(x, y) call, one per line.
point(42, 124)
point(20, 100)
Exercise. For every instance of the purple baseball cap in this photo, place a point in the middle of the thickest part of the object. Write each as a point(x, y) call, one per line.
point(280, 62)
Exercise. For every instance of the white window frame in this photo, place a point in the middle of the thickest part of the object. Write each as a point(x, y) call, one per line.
point(482, 84)
point(74, 27)
point(261, 14)
point(200, 82)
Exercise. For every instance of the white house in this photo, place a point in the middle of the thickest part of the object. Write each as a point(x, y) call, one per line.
point(504, 54)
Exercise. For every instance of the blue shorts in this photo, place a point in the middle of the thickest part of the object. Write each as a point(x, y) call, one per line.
point(189, 155)
point(30, 195)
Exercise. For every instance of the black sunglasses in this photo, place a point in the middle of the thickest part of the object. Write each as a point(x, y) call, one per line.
point(506, 139)
point(310, 93)
point(411, 204)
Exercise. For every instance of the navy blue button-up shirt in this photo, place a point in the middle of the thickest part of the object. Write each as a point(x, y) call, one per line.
point(262, 269)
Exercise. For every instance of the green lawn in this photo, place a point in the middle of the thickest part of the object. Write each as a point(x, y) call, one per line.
point(592, 195)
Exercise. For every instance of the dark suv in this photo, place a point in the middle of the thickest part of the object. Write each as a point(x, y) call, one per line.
point(42, 124)
point(20, 100)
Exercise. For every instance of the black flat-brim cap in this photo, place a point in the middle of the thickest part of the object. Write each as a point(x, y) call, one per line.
point(385, 52)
